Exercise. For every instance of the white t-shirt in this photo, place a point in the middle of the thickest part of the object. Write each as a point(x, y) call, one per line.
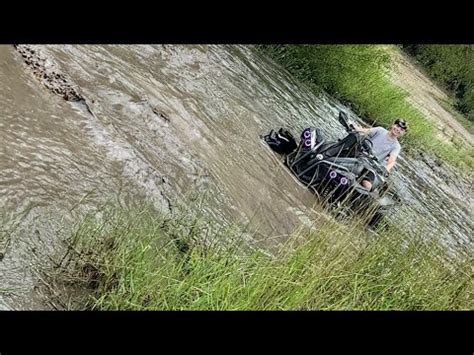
point(383, 144)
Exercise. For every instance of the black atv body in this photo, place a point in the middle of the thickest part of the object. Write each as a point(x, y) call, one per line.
point(334, 170)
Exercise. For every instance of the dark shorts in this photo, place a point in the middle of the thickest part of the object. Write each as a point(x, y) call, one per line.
point(367, 175)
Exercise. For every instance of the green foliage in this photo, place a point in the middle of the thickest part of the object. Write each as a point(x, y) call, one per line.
point(135, 260)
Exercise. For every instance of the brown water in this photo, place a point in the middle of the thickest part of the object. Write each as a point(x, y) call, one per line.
point(159, 122)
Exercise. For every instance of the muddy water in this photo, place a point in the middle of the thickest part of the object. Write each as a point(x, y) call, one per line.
point(160, 122)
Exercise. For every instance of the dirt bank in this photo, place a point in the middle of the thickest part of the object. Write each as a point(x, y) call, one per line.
point(427, 97)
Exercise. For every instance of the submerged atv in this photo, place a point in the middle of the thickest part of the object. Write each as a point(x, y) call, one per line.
point(334, 170)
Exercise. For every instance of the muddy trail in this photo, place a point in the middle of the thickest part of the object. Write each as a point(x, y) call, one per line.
point(82, 126)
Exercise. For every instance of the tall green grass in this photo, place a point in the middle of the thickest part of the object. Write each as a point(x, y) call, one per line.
point(357, 74)
point(141, 260)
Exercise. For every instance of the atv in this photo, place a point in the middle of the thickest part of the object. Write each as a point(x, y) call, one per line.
point(334, 170)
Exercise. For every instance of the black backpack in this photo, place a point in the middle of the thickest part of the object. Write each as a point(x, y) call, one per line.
point(281, 141)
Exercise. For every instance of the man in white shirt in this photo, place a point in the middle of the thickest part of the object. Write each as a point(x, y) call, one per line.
point(385, 144)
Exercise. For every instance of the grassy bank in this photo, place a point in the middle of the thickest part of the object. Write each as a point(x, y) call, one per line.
point(451, 67)
point(356, 74)
point(140, 260)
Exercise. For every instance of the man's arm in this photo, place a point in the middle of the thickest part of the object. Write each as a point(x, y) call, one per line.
point(391, 162)
point(392, 158)
point(361, 130)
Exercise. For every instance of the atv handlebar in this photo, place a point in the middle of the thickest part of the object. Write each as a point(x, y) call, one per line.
point(344, 120)
point(366, 144)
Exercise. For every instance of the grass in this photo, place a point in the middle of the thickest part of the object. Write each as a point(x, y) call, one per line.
point(139, 259)
point(357, 74)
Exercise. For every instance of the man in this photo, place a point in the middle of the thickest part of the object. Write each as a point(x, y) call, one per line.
point(385, 144)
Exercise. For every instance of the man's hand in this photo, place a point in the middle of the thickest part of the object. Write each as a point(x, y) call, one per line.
point(391, 162)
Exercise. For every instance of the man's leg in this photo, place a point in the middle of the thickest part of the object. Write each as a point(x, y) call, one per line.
point(367, 184)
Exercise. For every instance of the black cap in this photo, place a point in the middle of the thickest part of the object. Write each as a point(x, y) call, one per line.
point(402, 123)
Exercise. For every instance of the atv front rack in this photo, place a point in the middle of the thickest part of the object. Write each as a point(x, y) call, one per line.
point(294, 158)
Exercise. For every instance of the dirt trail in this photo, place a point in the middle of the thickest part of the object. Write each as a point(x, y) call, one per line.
point(427, 97)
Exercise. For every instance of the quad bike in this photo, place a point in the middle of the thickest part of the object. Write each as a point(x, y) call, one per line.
point(334, 170)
